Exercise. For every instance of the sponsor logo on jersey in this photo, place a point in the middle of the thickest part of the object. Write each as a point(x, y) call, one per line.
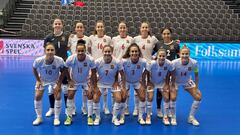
point(85, 64)
point(189, 68)
point(172, 47)
point(112, 66)
point(1, 46)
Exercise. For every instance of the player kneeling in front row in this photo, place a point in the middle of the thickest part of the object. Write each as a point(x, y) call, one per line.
point(47, 72)
point(79, 66)
point(184, 66)
point(159, 79)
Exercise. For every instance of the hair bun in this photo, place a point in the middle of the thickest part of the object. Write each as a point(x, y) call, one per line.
point(81, 41)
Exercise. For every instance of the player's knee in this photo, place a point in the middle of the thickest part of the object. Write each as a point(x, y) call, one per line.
point(150, 99)
point(118, 98)
point(142, 98)
point(96, 98)
point(70, 95)
point(38, 97)
point(166, 98)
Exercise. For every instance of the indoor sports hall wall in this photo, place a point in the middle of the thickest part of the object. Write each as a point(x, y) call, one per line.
point(200, 51)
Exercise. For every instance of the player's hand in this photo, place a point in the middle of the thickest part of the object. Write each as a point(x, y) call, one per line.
point(38, 84)
point(115, 85)
point(177, 41)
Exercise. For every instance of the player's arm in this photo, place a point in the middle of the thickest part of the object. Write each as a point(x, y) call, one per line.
point(35, 72)
point(196, 76)
point(144, 76)
point(93, 78)
point(123, 78)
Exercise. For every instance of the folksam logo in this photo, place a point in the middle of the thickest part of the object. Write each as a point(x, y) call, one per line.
point(1, 47)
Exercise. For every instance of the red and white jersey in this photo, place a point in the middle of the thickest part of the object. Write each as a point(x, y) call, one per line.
point(133, 72)
point(146, 45)
point(107, 72)
point(72, 42)
point(49, 73)
point(120, 45)
point(184, 72)
point(97, 44)
point(158, 73)
point(79, 70)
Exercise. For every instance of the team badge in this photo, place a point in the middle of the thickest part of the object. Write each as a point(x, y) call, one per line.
point(165, 68)
point(127, 41)
point(159, 73)
point(63, 38)
point(148, 41)
point(85, 64)
point(172, 47)
point(112, 66)
point(104, 40)
point(189, 68)
point(138, 66)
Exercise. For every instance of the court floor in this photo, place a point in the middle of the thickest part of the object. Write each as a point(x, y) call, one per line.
point(219, 112)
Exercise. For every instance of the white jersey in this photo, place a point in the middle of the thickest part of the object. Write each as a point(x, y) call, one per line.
point(133, 72)
point(158, 73)
point(120, 45)
point(146, 45)
point(72, 42)
point(183, 72)
point(97, 44)
point(79, 70)
point(49, 73)
point(107, 72)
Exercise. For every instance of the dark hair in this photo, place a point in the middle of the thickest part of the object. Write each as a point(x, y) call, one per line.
point(77, 23)
point(166, 28)
point(81, 42)
point(161, 49)
point(127, 55)
point(47, 44)
point(57, 18)
point(108, 46)
point(99, 21)
point(149, 33)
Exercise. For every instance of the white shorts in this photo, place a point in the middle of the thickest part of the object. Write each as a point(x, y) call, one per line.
point(190, 84)
point(159, 85)
point(51, 86)
point(83, 86)
point(135, 85)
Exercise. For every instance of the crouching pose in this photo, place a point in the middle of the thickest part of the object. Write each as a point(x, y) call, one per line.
point(184, 66)
point(158, 78)
point(46, 70)
point(79, 66)
point(107, 69)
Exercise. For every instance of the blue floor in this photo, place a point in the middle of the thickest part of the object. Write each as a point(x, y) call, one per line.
point(218, 113)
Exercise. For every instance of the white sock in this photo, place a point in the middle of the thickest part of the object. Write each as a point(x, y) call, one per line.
point(123, 107)
point(165, 108)
point(38, 108)
point(84, 99)
point(113, 100)
point(90, 107)
point(194, 107)
point(141, 109)
point(57, 108)
point(96, 108)
point(70, 107)
point(149, 108)
point(105, 98)
point(173, 108)
point(116, 109)
point(136, 100)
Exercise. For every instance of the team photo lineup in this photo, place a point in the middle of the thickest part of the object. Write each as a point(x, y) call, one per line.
point(99, 65)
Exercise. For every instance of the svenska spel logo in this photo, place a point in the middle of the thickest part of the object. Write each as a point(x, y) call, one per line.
point(1, 46)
